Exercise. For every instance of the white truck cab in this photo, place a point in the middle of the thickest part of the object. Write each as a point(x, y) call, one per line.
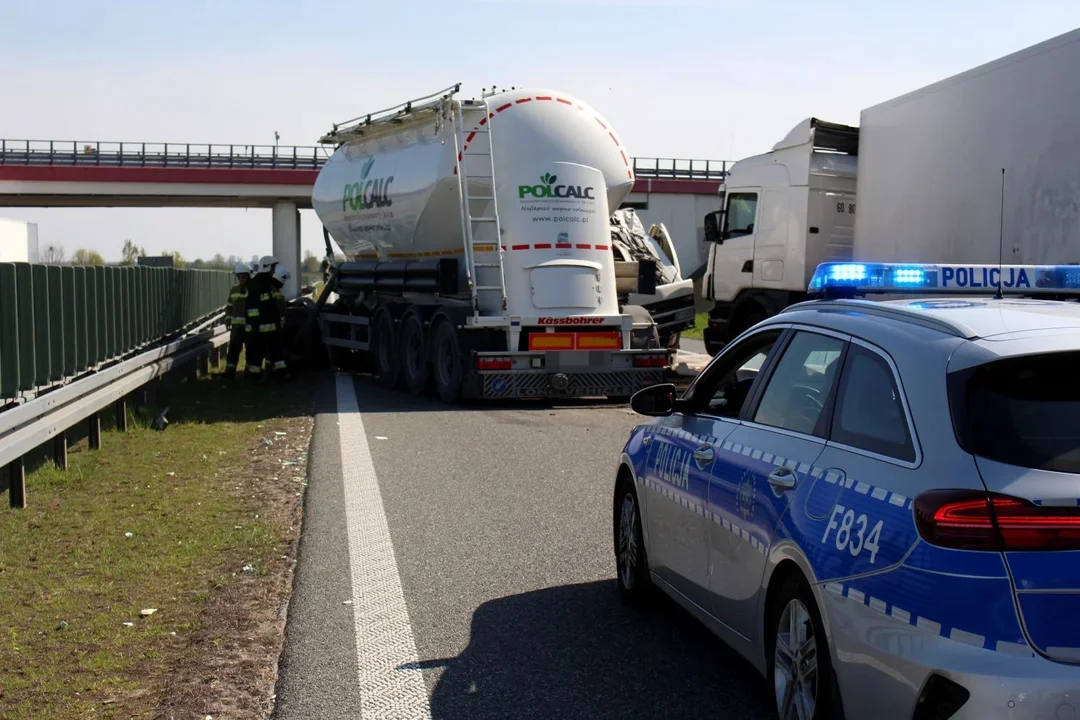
point(783, 213)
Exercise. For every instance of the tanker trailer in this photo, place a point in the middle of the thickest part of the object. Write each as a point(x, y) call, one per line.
point(478, 253)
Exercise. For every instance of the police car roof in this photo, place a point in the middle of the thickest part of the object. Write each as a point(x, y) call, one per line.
point(964, 317)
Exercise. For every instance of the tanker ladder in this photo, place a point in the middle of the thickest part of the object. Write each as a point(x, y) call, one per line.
point(473, 144)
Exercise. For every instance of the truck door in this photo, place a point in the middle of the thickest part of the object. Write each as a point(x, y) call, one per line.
point(733, 266)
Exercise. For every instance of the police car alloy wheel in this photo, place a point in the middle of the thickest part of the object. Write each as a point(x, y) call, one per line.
point(631, 564)
point(799, 668)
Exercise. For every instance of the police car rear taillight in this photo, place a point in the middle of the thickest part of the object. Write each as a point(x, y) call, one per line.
point(974, 520)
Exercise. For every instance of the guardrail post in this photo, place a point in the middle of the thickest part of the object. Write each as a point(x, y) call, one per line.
point(60, 450)
point(17, 484)
point(94, 431)
point(204, 364)
point(121, 414)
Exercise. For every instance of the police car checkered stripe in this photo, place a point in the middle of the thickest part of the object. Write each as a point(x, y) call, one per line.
point(925, 623)
point(830, 476)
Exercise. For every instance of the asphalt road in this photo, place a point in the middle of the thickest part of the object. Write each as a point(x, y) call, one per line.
point(499, 518)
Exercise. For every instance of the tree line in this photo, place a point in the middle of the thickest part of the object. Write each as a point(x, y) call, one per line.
point(57, 255)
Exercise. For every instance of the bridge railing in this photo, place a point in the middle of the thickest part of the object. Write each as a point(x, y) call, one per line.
point(178, 155)
point(683, 169)
point(267, 157)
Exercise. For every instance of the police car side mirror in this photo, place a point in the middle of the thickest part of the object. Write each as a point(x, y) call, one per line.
point(656, 400)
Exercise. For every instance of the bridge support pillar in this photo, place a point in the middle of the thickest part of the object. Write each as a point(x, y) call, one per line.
point(286, 231)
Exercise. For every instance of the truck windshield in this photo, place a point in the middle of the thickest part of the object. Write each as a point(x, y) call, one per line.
point(1022, 411)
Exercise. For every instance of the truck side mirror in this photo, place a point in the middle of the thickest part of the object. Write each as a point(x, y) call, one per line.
point(712, 226)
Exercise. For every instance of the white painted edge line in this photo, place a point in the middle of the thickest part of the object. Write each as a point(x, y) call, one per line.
point(386, 656)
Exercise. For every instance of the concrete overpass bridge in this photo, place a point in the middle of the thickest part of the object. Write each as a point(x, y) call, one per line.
point(53, 173)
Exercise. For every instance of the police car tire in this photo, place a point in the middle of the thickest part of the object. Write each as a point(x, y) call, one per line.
point(828, 705)
point(447, 360)
point(385, 353)
point(640, 591)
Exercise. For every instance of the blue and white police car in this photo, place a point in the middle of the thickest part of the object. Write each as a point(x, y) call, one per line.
point(877, 503)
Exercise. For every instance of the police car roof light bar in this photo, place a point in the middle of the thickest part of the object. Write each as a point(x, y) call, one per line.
point(848, 279)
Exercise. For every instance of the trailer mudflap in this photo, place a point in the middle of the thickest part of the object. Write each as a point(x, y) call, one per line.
point(566, 373)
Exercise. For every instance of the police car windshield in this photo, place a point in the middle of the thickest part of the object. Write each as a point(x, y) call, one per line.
point(1022, 411)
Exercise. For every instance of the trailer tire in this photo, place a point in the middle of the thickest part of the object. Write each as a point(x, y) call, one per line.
point(415, 357)
point(385, 355)
point(447, 360)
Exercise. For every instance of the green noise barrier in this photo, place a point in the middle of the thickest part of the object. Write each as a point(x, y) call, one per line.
point(58, 322)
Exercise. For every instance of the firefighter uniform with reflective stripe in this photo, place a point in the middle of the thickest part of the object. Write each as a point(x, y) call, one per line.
point(263, 326)
point(236, 319)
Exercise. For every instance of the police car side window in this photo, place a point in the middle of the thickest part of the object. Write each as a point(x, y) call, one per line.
point(869, 411)
point(725, 390)
point(799, 389)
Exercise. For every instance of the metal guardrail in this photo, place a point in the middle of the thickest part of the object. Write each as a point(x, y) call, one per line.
point(263, 157)
point(47, 417)
point(59, 322)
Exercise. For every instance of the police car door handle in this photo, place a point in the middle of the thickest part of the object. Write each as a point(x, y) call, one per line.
point(782, 479)
point(705, 453)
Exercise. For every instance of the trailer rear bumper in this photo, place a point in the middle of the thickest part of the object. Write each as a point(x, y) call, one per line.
point(610, 373)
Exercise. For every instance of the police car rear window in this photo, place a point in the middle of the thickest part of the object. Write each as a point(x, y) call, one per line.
point(1023, 411)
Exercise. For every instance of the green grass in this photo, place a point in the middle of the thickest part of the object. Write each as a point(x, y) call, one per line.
point(153, 520)
point(697, 332)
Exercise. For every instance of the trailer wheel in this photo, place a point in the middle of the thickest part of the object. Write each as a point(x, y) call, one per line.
point(448, 361)
point(414, 355)
point(384, 350)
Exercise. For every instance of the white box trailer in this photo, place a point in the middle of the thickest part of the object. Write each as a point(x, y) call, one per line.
point(18, 241)
point(478, 249)
point(929, 185)
point(924, 172)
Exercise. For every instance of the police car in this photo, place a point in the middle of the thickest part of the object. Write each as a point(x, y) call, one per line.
point(877, 503)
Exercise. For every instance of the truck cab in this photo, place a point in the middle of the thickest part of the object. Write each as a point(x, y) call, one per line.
point(782, 213)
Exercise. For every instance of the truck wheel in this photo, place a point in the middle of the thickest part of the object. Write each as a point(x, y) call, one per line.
point(384, 350)
point(414, 355)
point(447, 361)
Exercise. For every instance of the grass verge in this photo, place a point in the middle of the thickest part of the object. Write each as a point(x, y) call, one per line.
point(196, 523)
point(701, 320)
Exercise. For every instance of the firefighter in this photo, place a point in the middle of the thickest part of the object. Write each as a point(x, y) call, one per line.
point(276, 348)
point(236, 317)
point(262, 318)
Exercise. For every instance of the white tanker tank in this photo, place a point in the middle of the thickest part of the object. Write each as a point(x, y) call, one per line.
point(522, 249)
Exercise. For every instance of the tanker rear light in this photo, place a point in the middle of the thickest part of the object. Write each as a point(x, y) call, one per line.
point(575, 341)
point(493, 363)
point(651, 360)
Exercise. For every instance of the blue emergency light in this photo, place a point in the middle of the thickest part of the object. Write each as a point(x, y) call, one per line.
point(854, 278)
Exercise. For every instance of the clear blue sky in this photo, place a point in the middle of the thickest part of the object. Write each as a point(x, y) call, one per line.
point(678, 78)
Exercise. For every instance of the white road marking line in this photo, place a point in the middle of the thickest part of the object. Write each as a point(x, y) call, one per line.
point(384, 639)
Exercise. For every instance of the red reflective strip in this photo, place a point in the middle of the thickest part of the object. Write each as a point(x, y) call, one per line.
point(523, 100)
point(500, 109)
point(624, 158)
point(629, 174)
point(564, 102)
point(519, 247)
point(483, 120)
point(492, 364)
point(471, 136)
point(583, 246)
point(602, 247)
point(612, 136)
point(542, 246)
point(562, 245)
point(543, 97)
point(601, 122)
